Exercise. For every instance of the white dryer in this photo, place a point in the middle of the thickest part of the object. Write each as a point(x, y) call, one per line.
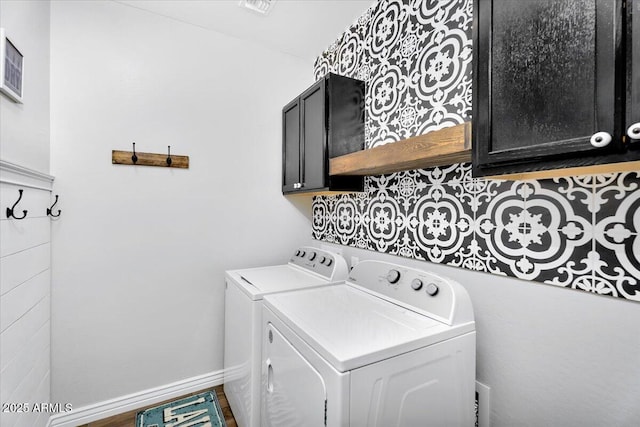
point(308, 267)
point(393, 346)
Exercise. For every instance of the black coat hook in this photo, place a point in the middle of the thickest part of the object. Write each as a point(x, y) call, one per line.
point(50, 210)
point(169, 156)
point(10, 210)
point(134, 158)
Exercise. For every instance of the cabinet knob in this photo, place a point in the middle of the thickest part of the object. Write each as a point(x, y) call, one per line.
point(297, 185)
point(634, 131)
point(600, 139)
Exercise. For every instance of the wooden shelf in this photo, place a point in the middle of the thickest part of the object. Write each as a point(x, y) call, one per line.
point(438, 148)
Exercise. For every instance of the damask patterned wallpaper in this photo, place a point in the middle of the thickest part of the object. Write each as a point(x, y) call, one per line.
point(416, 59)
point(575, 232)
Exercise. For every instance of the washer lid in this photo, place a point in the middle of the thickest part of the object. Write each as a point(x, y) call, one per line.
point(256, 282)
point(351, 328)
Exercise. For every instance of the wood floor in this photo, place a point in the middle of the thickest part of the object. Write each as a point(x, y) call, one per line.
point(128, 419)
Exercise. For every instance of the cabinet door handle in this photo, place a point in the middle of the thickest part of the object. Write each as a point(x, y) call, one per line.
point(600, 139)
point(634, 131)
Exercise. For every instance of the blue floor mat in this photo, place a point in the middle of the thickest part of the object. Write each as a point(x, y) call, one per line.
point(199, 410)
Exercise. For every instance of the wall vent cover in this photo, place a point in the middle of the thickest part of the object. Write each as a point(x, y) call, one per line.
point(260, 6)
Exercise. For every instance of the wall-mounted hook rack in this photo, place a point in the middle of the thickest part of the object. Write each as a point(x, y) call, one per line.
point(10, 211)
point(149, 159)
point(50, 210)
point(169, 161)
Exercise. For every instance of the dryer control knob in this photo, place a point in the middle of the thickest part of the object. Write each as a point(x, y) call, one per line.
point(432, 289)
point(329, 261)
point(416, 284)
point(302, 253)
point(323, 259)
point(312, 256)
point(393, 276)
point(298, 252)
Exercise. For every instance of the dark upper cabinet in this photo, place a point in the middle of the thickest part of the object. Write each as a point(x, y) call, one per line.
point(632, 52)
point(556, 84)
point(325, 121)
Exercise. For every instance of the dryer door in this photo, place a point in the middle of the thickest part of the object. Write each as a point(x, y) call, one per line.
point(293, 392)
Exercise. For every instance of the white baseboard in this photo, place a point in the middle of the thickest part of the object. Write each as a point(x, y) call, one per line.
point(108, 408)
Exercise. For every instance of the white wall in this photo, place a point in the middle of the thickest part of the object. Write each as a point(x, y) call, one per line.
point(24, 128)
point(25, 244)
point(551, 356)
point(139, 254)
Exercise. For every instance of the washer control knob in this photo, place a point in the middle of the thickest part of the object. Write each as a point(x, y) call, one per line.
point(312, 256)
point(329, 261)
point(393, 276)
point(323, 259)
point(298, 252)
point(432, 289)
point(302, 253)
point(416, 284)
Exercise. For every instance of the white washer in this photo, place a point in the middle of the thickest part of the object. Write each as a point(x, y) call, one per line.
point(393, 346)
point(308, 267)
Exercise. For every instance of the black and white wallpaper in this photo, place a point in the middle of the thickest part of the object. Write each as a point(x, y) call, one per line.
point(416, 59)
point(575, 232)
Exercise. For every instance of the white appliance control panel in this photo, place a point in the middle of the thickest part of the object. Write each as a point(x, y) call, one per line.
point(418, 290)
point(324, 263)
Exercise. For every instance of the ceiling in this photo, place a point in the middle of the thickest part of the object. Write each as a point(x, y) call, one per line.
point(302, 28)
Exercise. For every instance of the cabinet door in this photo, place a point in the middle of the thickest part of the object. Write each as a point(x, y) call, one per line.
point(314, 139)
point(549, 74)
point(291, 175)
point(633, 72)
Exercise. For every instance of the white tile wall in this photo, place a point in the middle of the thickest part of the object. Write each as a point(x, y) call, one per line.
point(25, 288)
